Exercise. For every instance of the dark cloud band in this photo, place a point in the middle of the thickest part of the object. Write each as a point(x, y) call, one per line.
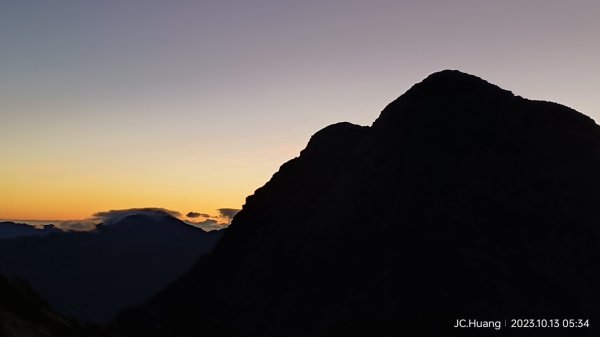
point(197, 215)
point(228, 213)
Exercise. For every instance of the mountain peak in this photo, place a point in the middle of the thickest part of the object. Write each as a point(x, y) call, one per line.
point(461, 194)
point(452, 81)
point(452, 75)
point(333, 137)
point(441, 93)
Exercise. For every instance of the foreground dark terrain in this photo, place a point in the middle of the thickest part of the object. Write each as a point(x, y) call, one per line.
point(460, 201)
point(24, 314)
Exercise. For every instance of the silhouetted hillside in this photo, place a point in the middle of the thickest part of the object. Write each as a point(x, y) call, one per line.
point(92, 275)
point(9, 230)
point(461, 201)
point(23, 313)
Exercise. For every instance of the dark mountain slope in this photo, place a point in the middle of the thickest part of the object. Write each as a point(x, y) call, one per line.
point(9, 230)
point(23, 313)
point(461, 201)
point(93, 275)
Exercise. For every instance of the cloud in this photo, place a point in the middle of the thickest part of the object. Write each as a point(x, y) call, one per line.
point(49, 226)
point(211, 222)
point(197, 215)
point(78, 225)
point(208, 224)
point(113, 216)
point(228, 213)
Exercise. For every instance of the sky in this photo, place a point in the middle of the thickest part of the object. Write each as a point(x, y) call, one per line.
point(190, 106)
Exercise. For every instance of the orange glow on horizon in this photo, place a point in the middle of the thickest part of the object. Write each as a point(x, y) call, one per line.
point(76, 188)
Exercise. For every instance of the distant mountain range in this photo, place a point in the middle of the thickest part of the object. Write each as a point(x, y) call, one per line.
point(461, 201)
point(93, 275)
point(9, 230)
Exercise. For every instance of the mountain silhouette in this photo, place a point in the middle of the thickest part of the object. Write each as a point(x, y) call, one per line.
point(24, 313)
point(461, 201)
point(92, 275)
point(9, 230)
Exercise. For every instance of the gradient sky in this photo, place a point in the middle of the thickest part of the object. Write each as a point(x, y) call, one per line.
point(192, 105)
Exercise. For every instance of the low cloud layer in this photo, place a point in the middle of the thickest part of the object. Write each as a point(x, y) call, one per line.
point(62, 225)
point(78, 225)
point(210, 222)
point(114, 216)
point(228, 213)
point(197, 215)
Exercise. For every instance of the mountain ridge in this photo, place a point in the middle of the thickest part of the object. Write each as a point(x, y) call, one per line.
point(11, 229)
point(92, 275)
point(461, 200)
